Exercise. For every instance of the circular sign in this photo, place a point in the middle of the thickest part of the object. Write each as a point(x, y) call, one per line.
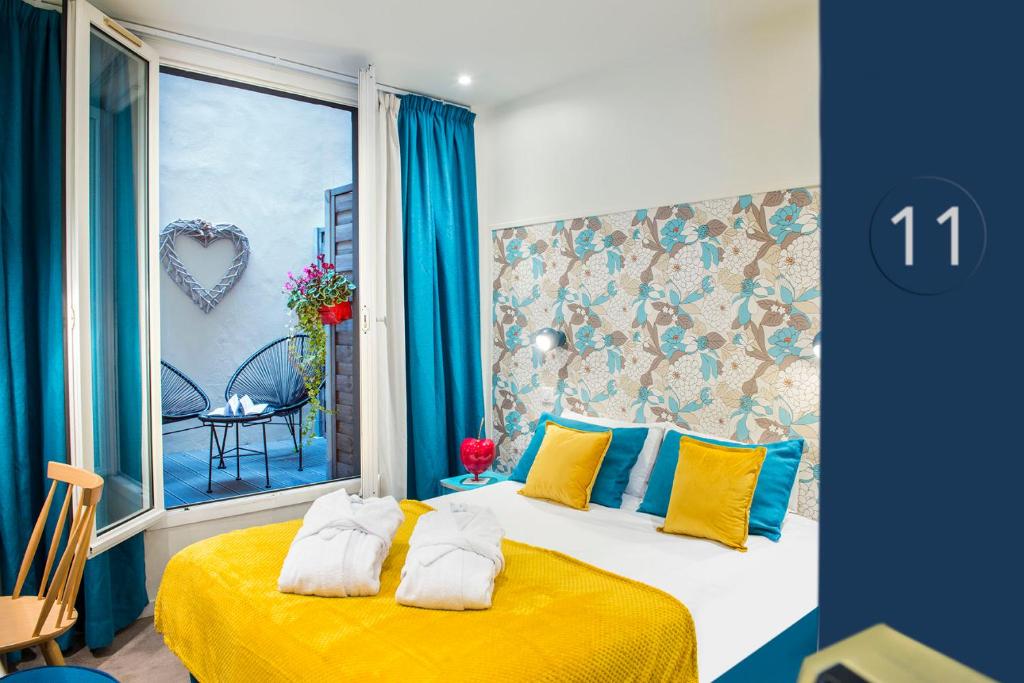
point(928, 235)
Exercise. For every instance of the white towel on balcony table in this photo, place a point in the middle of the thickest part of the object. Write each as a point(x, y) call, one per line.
point(454, 557)
point(341, 546)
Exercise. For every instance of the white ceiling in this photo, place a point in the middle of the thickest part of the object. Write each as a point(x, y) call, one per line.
point(511, 48)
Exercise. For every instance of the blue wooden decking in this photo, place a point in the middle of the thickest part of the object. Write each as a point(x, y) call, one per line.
point(185, 472)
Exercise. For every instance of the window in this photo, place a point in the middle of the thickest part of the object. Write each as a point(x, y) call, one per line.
point(111, 337)
point(270, 176)
point(278, 167)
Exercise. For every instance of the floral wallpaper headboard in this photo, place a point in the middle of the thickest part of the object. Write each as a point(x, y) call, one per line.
point(702, 314)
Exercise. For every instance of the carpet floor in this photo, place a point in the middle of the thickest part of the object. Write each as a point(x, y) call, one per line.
point(137, 655)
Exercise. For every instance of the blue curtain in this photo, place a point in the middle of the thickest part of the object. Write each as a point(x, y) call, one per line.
point(31, 280)
point(31, 273)
point(115, 591)
point(442, 292)
point(32, 421)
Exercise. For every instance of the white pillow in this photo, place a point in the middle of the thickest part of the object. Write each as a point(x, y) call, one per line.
point(641, 471)
point(683, 430)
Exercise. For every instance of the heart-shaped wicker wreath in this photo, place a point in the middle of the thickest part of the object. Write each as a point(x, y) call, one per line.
point(206, 234)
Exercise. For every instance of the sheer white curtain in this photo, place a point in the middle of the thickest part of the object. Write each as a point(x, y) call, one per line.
point(382, 356)
point(391, 301)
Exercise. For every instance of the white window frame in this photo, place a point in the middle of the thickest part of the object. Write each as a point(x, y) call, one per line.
point(180, 53)
point(82, 18)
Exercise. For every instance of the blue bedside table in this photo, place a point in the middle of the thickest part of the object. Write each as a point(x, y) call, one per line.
point(464, 482)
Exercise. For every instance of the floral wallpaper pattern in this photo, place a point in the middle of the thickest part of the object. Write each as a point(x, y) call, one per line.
point(702, 314)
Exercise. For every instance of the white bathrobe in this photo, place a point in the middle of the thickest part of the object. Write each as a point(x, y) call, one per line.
point(341, 546)
point(454, 557)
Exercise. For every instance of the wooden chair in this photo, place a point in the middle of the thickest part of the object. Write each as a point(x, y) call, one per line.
point(30, 620)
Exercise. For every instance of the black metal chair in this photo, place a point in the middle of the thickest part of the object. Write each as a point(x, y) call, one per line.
point(180, 398)
point(269, 376)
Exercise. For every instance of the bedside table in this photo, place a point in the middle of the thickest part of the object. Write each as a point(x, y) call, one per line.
point(464, 482)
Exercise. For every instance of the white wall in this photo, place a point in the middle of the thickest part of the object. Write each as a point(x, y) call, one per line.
point(261, 162)
point(730, 112)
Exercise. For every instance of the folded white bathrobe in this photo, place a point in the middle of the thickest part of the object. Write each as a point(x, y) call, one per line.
point(341, 546)
point(454, 557)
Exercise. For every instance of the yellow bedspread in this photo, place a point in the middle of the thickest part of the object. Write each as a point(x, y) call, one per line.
point(553, 618)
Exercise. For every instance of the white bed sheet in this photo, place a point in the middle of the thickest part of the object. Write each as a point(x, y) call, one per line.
point(739, 601)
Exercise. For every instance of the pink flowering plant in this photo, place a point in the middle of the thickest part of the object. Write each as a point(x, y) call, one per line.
point(319, 285)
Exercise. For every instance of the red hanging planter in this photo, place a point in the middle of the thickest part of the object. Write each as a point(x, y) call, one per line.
point(332, 315)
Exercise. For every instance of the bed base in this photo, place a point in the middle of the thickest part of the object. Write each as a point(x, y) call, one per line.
point(778, 660)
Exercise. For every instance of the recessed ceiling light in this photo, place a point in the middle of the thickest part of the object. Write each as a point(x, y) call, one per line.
point(465, 79)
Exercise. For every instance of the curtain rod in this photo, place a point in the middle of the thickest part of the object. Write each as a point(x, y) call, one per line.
point(260, 56)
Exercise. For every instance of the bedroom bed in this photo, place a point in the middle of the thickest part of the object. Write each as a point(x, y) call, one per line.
point(739, 601)
point(754, 609)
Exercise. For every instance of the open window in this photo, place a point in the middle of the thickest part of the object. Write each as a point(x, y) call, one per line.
point(115, 343)
point(113, 336)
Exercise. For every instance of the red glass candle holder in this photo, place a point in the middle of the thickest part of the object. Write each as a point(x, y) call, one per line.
point(477, 455)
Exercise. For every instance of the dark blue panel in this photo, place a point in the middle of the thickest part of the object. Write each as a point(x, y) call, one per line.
point(921, 467)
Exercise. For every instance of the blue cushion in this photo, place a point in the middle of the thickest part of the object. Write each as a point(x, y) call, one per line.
point(59, 674)
point(613, 476)
point(774, 483)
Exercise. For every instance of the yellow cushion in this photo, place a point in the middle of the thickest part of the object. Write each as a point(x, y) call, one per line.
point(712, 491)
point(566, 465)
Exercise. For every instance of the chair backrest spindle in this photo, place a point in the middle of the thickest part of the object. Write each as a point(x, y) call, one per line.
point(58, 531)
point(33, 542)
point(77, 567)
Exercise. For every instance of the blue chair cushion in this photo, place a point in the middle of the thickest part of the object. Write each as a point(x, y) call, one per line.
point(60, 674)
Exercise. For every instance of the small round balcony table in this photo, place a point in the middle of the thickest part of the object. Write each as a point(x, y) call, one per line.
point(215, 419)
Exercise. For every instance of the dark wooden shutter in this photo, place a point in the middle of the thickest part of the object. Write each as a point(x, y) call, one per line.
point(341, 222)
